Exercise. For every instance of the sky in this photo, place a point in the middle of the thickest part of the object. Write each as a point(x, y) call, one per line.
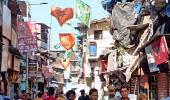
point(41, 14)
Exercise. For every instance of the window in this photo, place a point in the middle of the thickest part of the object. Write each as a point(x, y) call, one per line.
point(98, 34)
point(93, 49)
point(44, 37)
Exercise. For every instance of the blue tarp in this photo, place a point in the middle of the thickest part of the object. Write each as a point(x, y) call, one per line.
point(137, 7)
point(108, 4)
point(167, 10)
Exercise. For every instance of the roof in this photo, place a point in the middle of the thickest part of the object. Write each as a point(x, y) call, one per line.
point(81, 26)
point(44, 25)
point(57, 64)
point(14, 51)
point(100, 20)
point(151, 40)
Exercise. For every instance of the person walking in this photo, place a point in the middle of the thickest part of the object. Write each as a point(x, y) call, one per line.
point(24, 95)
point(124, 93)
point(83, 95)
point(93, 94)
point(71, 95)
point(50, 94)
point(60, 96)
point(142, 97)
point(39, 96)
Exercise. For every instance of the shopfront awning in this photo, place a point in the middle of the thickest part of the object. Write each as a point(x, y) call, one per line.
point(151, 40)
point(14, 51)
point(105, 54)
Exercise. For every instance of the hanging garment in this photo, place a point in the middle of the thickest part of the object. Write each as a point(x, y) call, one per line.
point(112, 64)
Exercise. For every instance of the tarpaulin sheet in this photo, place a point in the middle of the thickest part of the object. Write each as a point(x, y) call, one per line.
point(123, 17)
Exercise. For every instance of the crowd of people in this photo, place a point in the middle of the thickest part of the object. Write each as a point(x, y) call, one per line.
point(71, 95)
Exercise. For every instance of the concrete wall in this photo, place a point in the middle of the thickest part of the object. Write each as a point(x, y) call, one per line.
point(102, 44)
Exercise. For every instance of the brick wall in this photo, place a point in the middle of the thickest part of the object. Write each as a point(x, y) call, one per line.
point(143, 79)
point(162, 83)
point(134, 81)
point(139, 82)
point(168, 83)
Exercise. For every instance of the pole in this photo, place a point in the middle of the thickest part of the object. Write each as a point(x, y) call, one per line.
point(27, 60)
point(48, 48)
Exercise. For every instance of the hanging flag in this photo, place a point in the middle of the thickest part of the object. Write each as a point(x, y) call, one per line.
point(67, 40)
point(151, 61)
point(160, 50)
point(83, 12)
point(65, 63)
point(62, 15)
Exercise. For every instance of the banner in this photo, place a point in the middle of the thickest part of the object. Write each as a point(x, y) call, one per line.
point(83, 12)
point(160, 50)
point(67, 40)
point(27, 37)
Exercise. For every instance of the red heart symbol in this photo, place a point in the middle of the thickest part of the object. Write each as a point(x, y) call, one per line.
point(62, 15)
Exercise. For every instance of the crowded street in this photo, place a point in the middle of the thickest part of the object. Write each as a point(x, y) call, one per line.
point(84, 49)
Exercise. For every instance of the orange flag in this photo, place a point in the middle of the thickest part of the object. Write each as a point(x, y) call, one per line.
point(67, 40)
point(65, 63)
